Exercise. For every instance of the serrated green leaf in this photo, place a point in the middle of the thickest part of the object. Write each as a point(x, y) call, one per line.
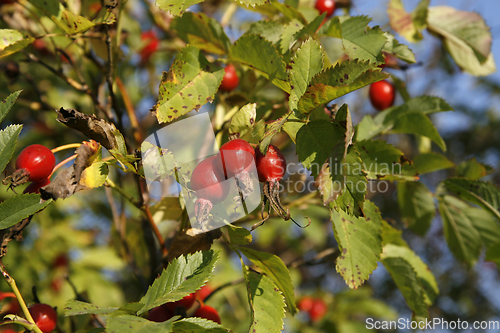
point(288, 31)
point(308, 62)
point(243, 121)
point(332, 28)
point(238, 235)
point(202, 31)
point(407, 281)
point(384, 161)
point(430, 162)
point(17, 46)
point(315, 142)
point(197, 325)
point(463, 239)
point(466, 37)
point(391, 235)
point(424, 274)
point(401, 51)
point(176, 7)
point(260, 54)
point(8, 37)
point(267, 305)
point(361, 41)
point(288, 11)
point(191, 82)
point(417, 207)
point(419, 124)
point(8, 139)
point(15, 209)
point(52, 8)
point(252, 3)
point(276, 270)
point(402, 22)
point(360, 244)
point(270, 30)
point(76, 308)
point(184, 275)
point(308, 30)
point(7, 104)
point(73, 24)
point(272, 128)
point(472, 169)
point(168, 208)
point(129, 323)
point(95, 175)
point(384, 121)
point(483, 194)
point(485, 224)
point(337, 81)
point(419, 14)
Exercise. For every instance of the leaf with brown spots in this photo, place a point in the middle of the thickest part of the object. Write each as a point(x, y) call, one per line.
point(360, 243)
point(191, 82)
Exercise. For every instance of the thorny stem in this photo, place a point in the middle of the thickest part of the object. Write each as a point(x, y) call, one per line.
point(12, 283)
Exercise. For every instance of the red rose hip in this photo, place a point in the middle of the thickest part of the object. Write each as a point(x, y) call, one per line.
point(272, 166)
point(207, 181)
point(207, 312)
point(327, 6)
point(230, 80)
point(45, 317)
point(236, 156)
point(185, 302)
point(37, 160)
point(382, 95)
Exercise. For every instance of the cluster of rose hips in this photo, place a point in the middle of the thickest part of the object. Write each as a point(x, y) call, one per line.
point(234, 160)
point(315, 307)
point(168, 310)
point(35, 163)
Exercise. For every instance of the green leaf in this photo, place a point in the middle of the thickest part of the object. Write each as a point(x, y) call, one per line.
point(485, 224)
point(76, 308)
point(308, 61)
point(260, 54)
point(419, 124)
point(52, 8)
point(7, 104)
point(17, 46)
point(402, 22)
point(272, 128)
point(8, 139)
point(15, 209)
point(176, 7)
point(424, 274)
point(462, 237)
point(73, 24)
point(252, 3)
point(183, 276)
point(384, 161)
point(95, 175)
point(288, 11)
point(202, 31)
point(289, 31)
point(332, 28)
point(407, 281)
point(197, 325)
point(361, 41)
point(337, 81)
point(9, 37)
point(385, 120)
point(473, 169)
point(191, 82)
point(493, 254)
point(129, 323)
point(466, 37)
point(270, 30)
point(391, 235)
point(483, 194)
point(267, 305)
point(307, 31)
point(315, 142)
point(360, 243)
point(276, 270)
point(417, 207)
point(243, 121)
point(238, 235)
point(401, 51)
point(430, 162)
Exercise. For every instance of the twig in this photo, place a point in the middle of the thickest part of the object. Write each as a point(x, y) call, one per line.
point(15, 232)
point(136, 128)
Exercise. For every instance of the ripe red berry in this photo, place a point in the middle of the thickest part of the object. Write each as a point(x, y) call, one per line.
point(230, 80)
point(186, 303)
point(151, 45)
point(327, 6)
point(37, 160)
point(45, 317)
point(236, 156)
point(207, 180)
point(272, 166)
point(35, 186)
point(306, 303)
point(203, 292)
point(207, 312)
point(61, 260)
point(318, 310)
point(160, 314)
point(382, 95)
